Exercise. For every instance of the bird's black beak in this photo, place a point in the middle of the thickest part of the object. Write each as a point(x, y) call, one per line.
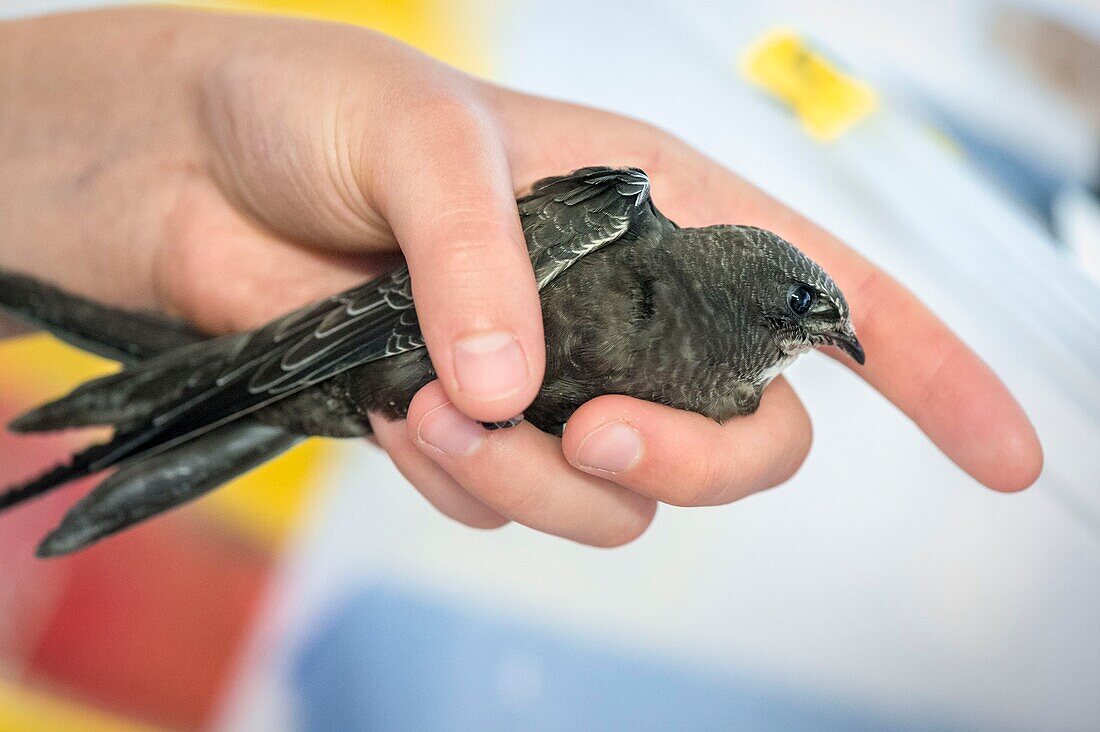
point(848, 342)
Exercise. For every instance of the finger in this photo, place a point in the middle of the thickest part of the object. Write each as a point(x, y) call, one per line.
point(432, 481)
point(912, 357)
point(446, 190)
point(944, 387)
point(520, 473)
point(684, 458)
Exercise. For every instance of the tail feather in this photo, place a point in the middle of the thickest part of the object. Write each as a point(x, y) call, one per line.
point(78, 467)
point(151, 486)
point(93, 403)
point(116, 400)
point(120, 335)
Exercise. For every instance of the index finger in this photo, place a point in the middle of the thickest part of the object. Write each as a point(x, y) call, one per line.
point(913, 358)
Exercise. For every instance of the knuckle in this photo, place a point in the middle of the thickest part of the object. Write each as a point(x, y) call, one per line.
point(656, 149)
point(656, 154)
point(431, 125)
point(448, 112)
point(520, 498)
point(465, 254)
point(503, 490)
point(472, 271)
point(870, 284)
point(468, 269)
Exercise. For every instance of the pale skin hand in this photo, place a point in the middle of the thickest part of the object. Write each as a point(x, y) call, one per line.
point(225, 170)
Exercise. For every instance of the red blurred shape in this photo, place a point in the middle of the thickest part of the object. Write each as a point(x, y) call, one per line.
point(148, 623)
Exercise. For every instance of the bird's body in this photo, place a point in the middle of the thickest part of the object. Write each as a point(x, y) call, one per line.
point(682, 359)
point(698, 319)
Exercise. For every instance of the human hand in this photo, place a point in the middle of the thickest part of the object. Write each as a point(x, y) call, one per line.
point(220, 169)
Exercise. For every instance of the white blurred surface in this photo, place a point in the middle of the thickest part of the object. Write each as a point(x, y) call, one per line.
point(881, 574)
point(17, 8)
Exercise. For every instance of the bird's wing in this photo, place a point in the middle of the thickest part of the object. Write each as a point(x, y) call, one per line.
point(568, 217)
point(242, 373)
point(120, 335)
point(364, 324)
point(563, 218)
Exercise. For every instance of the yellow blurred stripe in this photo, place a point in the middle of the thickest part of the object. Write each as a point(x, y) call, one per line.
point(437, 27)
point(268, 503)
point(23, 709)
point(42, 367)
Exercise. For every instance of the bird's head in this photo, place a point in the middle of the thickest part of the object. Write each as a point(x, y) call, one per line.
point(799, 301)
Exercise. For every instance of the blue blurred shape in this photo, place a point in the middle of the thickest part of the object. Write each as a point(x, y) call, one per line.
point(390, 659)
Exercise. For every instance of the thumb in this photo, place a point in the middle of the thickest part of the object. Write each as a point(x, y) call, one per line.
point(427, 165)
point(445, 189)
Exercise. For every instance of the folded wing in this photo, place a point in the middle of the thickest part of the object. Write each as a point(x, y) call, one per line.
point(181, 395)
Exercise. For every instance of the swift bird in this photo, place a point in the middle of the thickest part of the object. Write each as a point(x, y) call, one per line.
point(695, 318)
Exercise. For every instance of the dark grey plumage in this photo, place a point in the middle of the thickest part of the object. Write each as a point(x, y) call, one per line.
point(698, 319)
point(144, 487)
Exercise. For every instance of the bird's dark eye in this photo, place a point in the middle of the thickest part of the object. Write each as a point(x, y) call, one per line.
point(800, 298)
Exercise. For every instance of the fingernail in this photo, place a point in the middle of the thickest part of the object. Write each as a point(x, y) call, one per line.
point(612, 448)
point(490, 365)
point(450, 431)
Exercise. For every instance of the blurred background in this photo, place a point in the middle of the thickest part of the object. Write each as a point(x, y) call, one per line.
point(955, 143)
